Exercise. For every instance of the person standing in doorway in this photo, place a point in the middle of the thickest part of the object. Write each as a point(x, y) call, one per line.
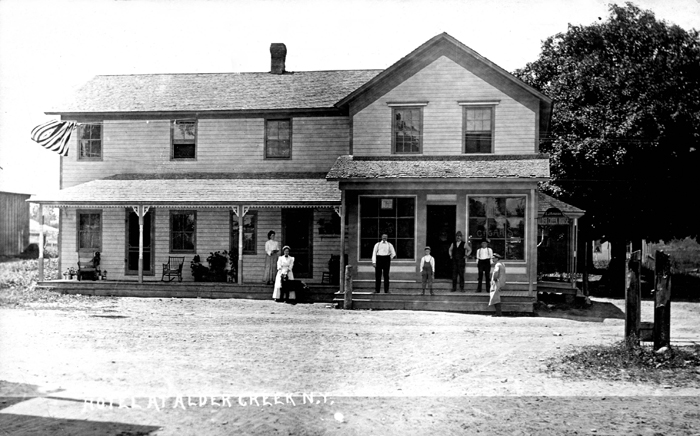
point(427, 271)
point(272, 249)
point(483, 262)
point(381, 261)
point(459, 250)
point(498, 282)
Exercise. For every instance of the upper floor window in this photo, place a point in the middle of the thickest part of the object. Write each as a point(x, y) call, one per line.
point(89, 230)
point(184, 137)
point(478, 129)
point(90, 141)
point(278, 139)
point(407, 130)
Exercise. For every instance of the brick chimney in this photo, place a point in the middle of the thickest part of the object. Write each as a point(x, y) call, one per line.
point(278, 51)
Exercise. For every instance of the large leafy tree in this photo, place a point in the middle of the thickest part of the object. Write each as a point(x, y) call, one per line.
point(626, 124)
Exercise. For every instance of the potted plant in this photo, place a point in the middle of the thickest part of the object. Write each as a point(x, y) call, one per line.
point(199, 271)
point(73, 274)
point(218, 261)
point(104, 275)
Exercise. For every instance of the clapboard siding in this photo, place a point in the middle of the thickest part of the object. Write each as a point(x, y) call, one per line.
point(442, 84)
point(223, 145)
point(14, 223)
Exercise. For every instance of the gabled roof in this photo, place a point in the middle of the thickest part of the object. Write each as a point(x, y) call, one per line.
point(440, 167)
point(446, 44)
point(214, 92)
point(196, 190)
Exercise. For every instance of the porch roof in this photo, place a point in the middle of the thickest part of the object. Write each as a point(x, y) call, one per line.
point(528, 166)
point(196, 190)
point(546, 202)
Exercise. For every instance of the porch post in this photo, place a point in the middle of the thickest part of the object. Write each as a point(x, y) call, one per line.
point(240, 212)
point(341, 213)
point(140, 212)
point(574, 245)
point(41, 242)
point(532, 244)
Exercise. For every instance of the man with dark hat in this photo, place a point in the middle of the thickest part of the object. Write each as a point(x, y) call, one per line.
point(459, 250)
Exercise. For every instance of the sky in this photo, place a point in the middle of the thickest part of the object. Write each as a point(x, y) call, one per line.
point(49, 48)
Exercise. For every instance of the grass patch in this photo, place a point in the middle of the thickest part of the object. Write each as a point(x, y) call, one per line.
point(18, 279)
point(677, 367)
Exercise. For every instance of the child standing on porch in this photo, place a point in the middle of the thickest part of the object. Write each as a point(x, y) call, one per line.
point(427, 268)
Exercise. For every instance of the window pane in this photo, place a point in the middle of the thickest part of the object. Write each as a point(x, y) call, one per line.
point(387, 226)
point(407, 130)
point(477, 228)
point(184, 131)
point(183, 151)
point(515, 206)
point(516, 227)
point(498, 246)
point(515, 250)
point(477, 206)
point(405, 207)
point(369, 206)
point(369, 228)
point(404, 227)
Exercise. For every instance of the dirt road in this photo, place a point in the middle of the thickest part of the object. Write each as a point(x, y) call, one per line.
point(385, 372)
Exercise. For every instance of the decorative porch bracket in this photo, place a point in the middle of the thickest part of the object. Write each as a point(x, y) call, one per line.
point(338, 210)
point(140, 211)
point(240, 212)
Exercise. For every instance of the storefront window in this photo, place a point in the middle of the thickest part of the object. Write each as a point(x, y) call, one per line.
point(395, 216)
point(502, 221)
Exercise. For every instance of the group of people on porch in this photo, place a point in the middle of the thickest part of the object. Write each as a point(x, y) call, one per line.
point(279, 269)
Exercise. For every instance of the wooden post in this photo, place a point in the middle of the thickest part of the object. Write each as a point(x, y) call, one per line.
point(140, 212)
point(662, 301)
point(587, 249)
point(41, 242)
point(341, 213)
point(347, 302)
point(633, 298)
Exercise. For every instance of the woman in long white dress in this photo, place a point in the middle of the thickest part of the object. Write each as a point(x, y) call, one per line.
point(285, 264)
point(498, 282)
point(272, 249)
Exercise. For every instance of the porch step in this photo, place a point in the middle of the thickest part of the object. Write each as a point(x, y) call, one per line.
point(445, 302)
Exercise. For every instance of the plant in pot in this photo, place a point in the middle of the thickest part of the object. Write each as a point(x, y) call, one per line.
point(218, 262)
point(199, 271)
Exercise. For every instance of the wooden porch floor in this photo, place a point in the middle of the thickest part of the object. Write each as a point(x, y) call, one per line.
point(402, 296)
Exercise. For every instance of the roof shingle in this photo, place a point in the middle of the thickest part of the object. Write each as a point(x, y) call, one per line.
point(440, 167)
point(215, 91)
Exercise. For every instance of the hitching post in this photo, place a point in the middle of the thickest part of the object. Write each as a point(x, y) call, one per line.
point(347, 303)
point(633, 298)
point(662, 301)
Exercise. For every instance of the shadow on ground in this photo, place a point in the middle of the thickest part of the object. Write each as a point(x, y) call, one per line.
point(12, 424)
point(556, 306)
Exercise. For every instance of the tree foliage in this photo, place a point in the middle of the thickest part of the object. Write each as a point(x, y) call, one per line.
point(626, 123)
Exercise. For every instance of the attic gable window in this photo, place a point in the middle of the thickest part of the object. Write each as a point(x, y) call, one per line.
point(90, 142)
point(278, 139)
point(407, 130)
point(184, 139)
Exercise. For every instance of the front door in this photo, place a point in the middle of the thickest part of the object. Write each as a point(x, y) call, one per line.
point(297, 232)
point(132, 242)
point(439, 236)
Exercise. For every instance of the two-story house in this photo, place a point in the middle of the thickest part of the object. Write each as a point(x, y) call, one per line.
point(185, 164)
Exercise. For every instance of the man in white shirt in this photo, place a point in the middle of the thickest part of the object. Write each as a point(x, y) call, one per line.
point(483, 262)
point(381, 261)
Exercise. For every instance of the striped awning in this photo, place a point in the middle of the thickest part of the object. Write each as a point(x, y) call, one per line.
point(199, 193)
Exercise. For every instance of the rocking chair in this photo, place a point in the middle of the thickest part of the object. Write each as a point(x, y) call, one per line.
point(173, 269)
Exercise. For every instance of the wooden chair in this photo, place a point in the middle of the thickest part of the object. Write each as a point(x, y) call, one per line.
point(173, 269)
point(88, 266)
